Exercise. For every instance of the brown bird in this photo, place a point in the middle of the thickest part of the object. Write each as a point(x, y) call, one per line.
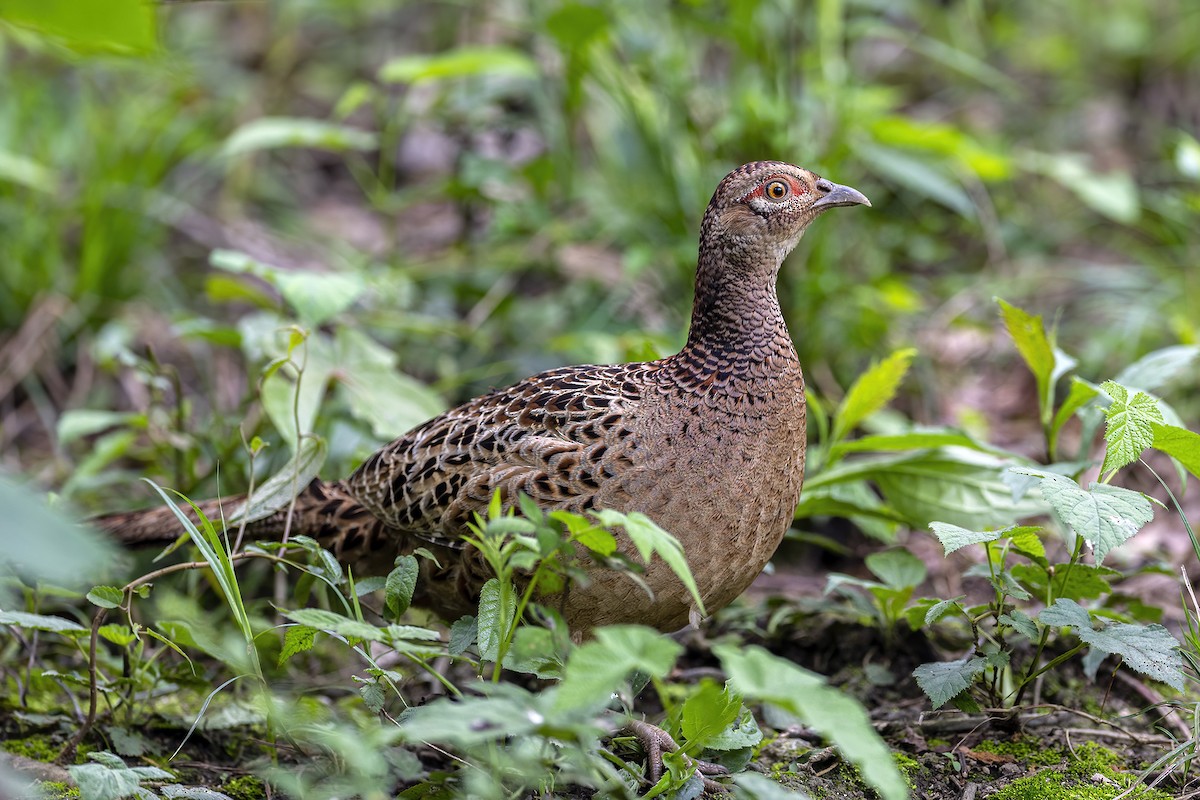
point(709, 442)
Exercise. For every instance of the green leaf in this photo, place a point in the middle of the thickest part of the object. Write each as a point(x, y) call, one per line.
point(89, 26)
point(1130, 425)
point(277, 491)
point(942, 681)
point(760, 787)
point(273, 133)
point(760, 676)
point(24, 171)
point(1029, 335)
point(898, 569)
point(378, 392)
point(1179, 443)
point(494, 619)
point(120, 635)
point(462, 635)
point(316, 296)
point(1113, 194)
point(105, 596)
point(598, 668)
point(1148, 649)
point(942, 608)
point(78, 423)
point(296, 639)
point(911, 440)
point(335, 623)
point(873, 390)
point(1105, 516)
point(1075, 582)
point(743, 732)
point(918, 175)
point(373, 696)
point(706, 713)
point(1154, 370)
point(39, 622)
point(401, 582)
point(461, 62)
point(649, 539)
point(1022, 623)
point(954, 538)
point(1078, 396)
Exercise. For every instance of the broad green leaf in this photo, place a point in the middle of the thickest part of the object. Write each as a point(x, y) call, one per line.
point(873, 390)
point(649, 539)
point(273, 133)
point(495, 615)
point(743, 732)
point(296, 639)
point(336, 623)
point(1105, 516)
point(1130, 420)
point(911, 440)
point(40, 622)
point(1148, 649)
point(37, 541)
point(1078, 396)
point(758, 675)
point(462, 635)
point(954, 538)
point(1077, 582)
point(945, 140)
point(942, 681)
point(78, 423)
point(942, 608)
point(1179, 443)
point(898, 569)
point(1113, 194)
point(921, 176)
point(89, 26)
point(1029, 335)
point(1025, 540)
point(378, 392)
point(24, 171)
point(706, 713)
point(1152, 371)
point(461, 62)
point(105, 596)
point(316, 296)
point(1020, 622)
point(99, 782)
point(278, 490)
point(401, 582)
point(120, 635)
point(598, 668)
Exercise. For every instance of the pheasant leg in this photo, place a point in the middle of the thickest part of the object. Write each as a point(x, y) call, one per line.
point(655, 741)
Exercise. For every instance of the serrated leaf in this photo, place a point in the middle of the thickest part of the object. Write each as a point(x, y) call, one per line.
point(1129, 430)
point(401, 582)
point(1179, 443)
point(954, 538)
point(1105, 516)
point(1148, 649)
point(706, 713)
point(40, 622)
point(650, 539)
point(942, 608)
point(1022, 623)
point(760, 676)
point(296, 639)
point(898, 569)
point(598, 668)
point(373, 696)
point(873, 390)
point(105, 596)
point(943, 680)
point(462, 635)
point(1075, 582)
point(493, 618)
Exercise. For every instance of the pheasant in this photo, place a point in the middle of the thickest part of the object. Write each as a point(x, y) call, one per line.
point(709, 442)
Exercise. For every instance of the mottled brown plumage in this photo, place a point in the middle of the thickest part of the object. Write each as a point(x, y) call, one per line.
point(708, 442)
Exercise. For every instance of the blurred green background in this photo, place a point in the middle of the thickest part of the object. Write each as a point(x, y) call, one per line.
point(450, 196)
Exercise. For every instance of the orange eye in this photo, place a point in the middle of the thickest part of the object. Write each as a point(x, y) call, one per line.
point(777, 190)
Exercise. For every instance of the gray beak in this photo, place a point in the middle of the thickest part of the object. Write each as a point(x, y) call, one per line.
point(838, 195)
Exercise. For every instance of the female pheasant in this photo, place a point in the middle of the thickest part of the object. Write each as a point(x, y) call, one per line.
point(709, 442)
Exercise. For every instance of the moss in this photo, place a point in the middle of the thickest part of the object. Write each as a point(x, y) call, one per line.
point(39, 748)
point(1025, 749)
point(909, 766)
point(57, 790)
point(1076, 783)
point(935, 742)
point(245, 787)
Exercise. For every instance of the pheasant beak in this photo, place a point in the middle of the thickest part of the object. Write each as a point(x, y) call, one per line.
point(838, 195)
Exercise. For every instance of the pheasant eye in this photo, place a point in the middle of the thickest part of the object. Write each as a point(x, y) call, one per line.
point(777, 190)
